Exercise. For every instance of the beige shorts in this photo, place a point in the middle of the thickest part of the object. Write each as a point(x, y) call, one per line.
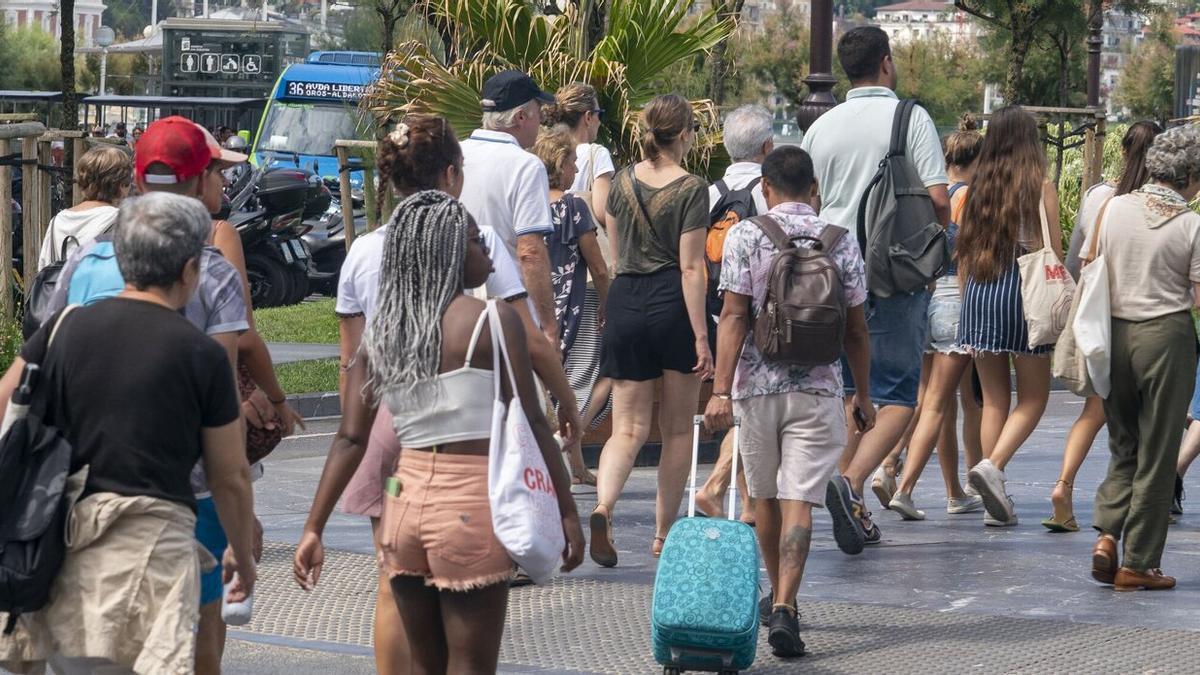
point(790, 444)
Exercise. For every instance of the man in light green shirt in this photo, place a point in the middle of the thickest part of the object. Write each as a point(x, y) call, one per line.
point(847, 144)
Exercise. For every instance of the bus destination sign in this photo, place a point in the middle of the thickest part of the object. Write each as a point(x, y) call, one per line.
point(340, 91)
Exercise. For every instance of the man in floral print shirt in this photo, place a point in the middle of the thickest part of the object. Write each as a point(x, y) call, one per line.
point(793, 419)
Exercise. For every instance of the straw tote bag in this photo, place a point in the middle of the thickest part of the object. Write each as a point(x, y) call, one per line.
point(1047, 289)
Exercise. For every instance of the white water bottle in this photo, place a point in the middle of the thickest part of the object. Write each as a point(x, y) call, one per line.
point(236, 613)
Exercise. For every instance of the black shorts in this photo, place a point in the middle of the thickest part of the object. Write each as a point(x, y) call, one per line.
point(646, 328)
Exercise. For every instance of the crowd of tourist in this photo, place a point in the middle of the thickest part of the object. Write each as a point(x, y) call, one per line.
point(526, 272)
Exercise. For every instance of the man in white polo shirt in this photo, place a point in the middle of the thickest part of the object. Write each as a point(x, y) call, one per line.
point(847, 144)
point(506, 188)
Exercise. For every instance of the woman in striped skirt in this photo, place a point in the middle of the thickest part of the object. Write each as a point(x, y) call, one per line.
point(1001, 222)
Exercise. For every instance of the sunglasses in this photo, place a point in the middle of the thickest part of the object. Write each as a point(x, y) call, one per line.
point(696, 127)
point(598, 112)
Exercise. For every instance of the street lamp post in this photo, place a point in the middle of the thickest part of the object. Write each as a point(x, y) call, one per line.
point(104, 38)
point(820, 78)
point(1095, 27)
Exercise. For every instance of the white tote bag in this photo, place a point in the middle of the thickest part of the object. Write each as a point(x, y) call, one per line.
point(1093, 316)
point(1046, 289)
point(525, 515)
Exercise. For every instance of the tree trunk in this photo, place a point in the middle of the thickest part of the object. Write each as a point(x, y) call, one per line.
point(70, 106)
point(1018, 50)
point(389, 12)
point(718, 68)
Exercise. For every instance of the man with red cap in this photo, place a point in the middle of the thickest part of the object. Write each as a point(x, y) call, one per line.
point(179, 156)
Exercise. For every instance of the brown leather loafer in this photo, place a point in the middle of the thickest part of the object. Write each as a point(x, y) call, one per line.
point(1135, 580)
point(1104, 560)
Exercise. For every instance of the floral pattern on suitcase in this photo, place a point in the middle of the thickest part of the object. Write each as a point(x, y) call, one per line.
point(706, 593)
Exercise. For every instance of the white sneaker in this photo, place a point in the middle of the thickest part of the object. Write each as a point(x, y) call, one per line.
point(903, 504)
point(989, 482)
point(884, 486)
point(969, 504)
point(970, 490)
point(994, 522)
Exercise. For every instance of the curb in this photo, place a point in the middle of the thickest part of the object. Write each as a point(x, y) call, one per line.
point(327, 404)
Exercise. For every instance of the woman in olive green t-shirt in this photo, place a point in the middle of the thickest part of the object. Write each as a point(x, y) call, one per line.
point(655, 330)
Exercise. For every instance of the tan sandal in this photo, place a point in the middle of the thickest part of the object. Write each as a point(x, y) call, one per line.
point(657, 547)
point(1056, 524)
point(602, 550)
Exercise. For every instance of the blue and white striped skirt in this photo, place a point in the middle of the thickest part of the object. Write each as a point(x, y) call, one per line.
point(992, 318)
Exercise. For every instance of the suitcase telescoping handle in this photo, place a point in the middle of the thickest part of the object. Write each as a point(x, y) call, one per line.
point(697, 421)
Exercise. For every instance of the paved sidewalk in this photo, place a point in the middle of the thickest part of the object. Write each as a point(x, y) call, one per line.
point(943, 595)
point(287, 352)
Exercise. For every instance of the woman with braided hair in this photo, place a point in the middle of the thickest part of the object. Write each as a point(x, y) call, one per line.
point(428, 352)
point(421, 153)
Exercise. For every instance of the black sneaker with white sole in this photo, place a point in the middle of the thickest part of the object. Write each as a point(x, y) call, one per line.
point(1177, 500)
point(846, 509)
point(783, 633)
point(765, 603)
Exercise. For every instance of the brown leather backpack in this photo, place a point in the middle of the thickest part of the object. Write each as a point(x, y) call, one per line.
point(802, 320)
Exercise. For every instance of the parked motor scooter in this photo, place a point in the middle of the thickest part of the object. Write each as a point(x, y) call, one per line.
point(269, 207)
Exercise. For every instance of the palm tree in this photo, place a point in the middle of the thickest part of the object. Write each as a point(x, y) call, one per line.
point(642, 39)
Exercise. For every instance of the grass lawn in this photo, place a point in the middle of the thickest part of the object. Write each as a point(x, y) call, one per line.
point(311, 322)
point(306, 377)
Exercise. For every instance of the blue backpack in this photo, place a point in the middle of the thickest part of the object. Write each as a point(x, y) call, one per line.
point(97, 276)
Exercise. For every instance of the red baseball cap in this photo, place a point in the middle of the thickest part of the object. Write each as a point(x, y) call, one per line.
point(176, 142)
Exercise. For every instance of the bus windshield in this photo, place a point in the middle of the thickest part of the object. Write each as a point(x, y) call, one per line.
point(307, 128)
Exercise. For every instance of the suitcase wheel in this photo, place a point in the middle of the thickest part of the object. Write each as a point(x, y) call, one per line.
point(671, 670)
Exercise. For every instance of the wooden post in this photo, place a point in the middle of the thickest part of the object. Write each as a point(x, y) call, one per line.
point(343, 158)
point(6, 295)
point(389, 200)
point(45, 187)
point(1094, 169)
point(30, 207)
point(78, 147)
point(370, 196)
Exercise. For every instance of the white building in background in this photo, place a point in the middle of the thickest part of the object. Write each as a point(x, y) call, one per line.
point(925, 19)
point(44, 14)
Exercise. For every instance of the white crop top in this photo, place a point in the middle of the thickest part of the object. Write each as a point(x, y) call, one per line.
point(448, 408)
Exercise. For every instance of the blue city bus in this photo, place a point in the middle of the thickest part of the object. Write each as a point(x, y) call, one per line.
point(313, 104)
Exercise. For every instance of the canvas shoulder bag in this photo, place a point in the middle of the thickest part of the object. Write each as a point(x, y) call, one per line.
point(1070, 365)
point(525, 515)
point(1092, 323)
point(1047, 289)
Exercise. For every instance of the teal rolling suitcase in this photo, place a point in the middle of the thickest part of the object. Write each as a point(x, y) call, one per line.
point(704, 616)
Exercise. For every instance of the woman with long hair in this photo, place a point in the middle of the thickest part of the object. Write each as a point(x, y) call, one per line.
point(947, 366)
point(421, 153)
point(574, 255)
point(1134, 144)
point(576, 110)
point(656, 330)
point(1001, 221)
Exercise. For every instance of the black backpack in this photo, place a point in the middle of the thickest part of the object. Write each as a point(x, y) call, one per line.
point(35, 461)
point(37, 298)
point(731, 208)
point(907, 247)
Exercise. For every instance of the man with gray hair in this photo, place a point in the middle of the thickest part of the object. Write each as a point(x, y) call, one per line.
point(141, 395)
point(749, 138)
point(506, 188)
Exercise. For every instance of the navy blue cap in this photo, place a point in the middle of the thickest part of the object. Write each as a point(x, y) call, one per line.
point(510, 89)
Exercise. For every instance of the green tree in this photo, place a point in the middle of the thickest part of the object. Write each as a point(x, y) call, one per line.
point(29, 58)
point(945, 76)
point(776, 60)
point(643, 39)
point(1147, 83)
point(719, 65)
point(1054, 68)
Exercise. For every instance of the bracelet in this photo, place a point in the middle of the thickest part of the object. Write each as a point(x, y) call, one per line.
point(279, 402)
point(723, 396)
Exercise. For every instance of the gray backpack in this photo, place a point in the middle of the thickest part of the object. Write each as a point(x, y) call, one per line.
point(907, 247)
point(802, 320)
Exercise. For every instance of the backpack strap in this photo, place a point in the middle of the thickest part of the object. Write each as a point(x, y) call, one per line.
point(774, 232)
point(900, 125)
point(753, 184)
point(830, 237)
point(722, 187)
